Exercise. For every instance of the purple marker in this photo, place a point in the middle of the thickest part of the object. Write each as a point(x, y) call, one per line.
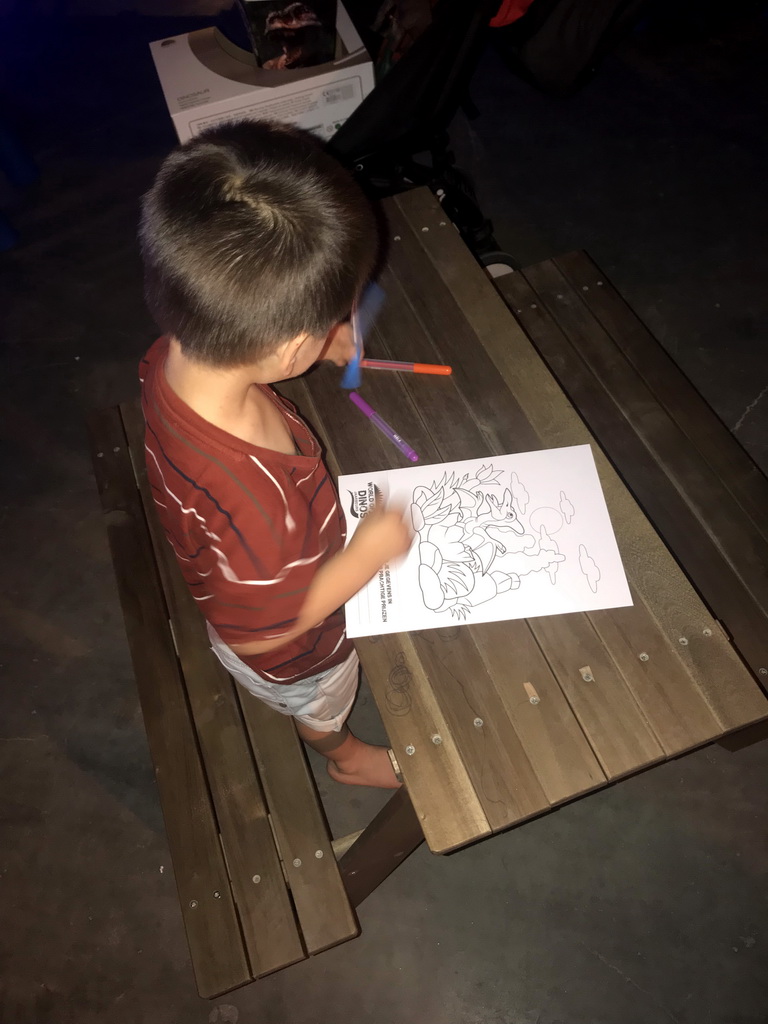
point(384, 427)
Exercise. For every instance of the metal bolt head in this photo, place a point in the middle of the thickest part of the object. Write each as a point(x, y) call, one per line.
point(588, 677)
point(643, 656)
point(410, 749)
point(442, 223)
point(115, 449)
point(437, 740)
point(425, 229)
point(397, 238)
point(535, 700)
point(478, 723)
point(763, 671)
point(683, 641)
point(193, 903)
point(707, 632)
point(256, 879)
point(297, 862)
point(319, 854)
point(217, 895)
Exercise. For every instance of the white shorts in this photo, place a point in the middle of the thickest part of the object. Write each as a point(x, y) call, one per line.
point(321, 702)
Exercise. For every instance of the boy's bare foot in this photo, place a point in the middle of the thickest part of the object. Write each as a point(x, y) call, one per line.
point(366, 765)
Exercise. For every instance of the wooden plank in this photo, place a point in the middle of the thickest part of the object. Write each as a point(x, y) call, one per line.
point(636, 746)
point(554, 742)
point(552, 738)
point(318, 892)
point(267, 919)
point(662, 500)
point(673, 390)
point(440, 787)
point(381, 847)
point(210, 919)
point(727, 685)
point(448, 807)
point(711, 534)
point(493, 755)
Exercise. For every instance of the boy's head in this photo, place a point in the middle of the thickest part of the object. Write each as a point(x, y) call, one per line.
point(252, 236)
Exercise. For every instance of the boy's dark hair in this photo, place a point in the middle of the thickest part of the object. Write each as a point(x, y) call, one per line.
point(252, 235)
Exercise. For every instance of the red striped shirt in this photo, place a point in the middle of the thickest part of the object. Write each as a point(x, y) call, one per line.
point(250, 527)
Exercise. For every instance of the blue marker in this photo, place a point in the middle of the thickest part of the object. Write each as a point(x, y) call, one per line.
point(363, 316)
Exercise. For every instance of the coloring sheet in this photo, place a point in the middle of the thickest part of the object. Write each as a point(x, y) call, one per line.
point(507, 537)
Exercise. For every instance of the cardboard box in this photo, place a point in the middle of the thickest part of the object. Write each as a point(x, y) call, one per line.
point(207, 80)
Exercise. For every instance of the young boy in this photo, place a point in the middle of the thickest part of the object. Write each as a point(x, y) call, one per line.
point(256, 245)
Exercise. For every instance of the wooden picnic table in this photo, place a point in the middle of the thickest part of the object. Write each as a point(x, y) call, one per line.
point(494, 724)
point(491, 724)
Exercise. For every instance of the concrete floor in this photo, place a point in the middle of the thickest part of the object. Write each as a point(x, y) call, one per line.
point(643, 904)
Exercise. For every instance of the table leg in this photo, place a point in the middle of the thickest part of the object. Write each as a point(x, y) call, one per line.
point(392, 836)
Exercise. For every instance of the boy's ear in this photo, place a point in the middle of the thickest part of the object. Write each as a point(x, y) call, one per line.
point(289, 352)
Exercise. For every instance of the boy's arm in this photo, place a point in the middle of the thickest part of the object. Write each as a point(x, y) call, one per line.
point(381, 537)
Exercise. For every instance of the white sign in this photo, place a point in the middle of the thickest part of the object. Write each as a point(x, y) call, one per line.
point(507, 537)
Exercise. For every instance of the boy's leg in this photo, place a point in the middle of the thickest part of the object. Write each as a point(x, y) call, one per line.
point(349, 759)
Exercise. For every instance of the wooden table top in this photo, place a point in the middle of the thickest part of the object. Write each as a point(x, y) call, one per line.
point(617, 690)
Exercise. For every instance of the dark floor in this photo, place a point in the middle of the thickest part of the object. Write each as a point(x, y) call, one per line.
point(642, 904)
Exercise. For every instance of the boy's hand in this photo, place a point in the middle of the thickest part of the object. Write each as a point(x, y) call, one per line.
point(340, 346)
point(383, 535)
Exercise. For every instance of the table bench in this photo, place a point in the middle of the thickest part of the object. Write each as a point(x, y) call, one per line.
point(257, 878)
point(492, 724)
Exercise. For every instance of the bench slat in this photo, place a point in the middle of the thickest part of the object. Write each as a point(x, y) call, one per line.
point(318, 892)
point(674, 391)
point(213, 932)
point(726, 684)
point(269, 926)
point(715, 539)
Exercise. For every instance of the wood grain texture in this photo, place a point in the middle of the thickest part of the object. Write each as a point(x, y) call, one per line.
point(465, 437)
point(390, 838)
point(726, 684)
point(269, 925)
point(733, 465)
point(716, 540)
point(440, 787)
point(321, 901)
point(213, 932)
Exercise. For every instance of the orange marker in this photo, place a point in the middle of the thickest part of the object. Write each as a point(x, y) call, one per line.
point(392, 364)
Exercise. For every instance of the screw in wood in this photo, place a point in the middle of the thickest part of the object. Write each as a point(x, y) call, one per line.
point(193, 903)
point(297, 862)
point(99, 455)
point(442, 223)
point(588, 677)
point(534, 700)
point(763, 671)
point(585, 287)
point(478, 723)
point(683, 641)
point(410, 749)
point(643, 656)
point(707, 632)
point(319, 854)
point(425, 229)
point(115, 449)
point(256, 879)
point(397, 238)
point(599, 284)
point(437, 740)
point(217, 895)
